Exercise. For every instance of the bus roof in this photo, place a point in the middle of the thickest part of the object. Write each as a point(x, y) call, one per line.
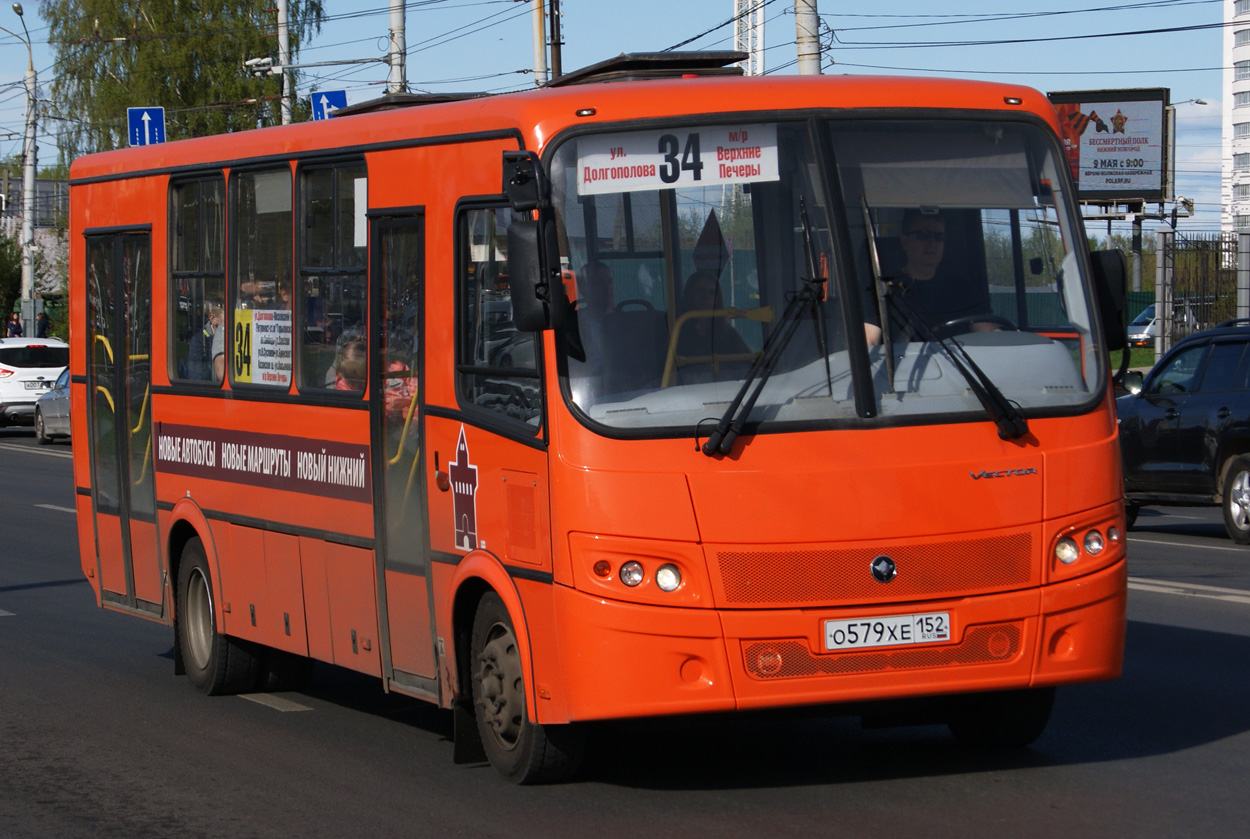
point(535, 116)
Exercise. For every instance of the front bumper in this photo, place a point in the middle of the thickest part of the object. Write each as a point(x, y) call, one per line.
point(625, 660)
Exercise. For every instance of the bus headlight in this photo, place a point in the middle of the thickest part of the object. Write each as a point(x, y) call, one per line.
point(632, 573)
point(1094, 543)
point(668, 578)
point(1066, 550)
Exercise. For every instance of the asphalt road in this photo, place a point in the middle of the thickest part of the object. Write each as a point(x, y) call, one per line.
point(98, 737)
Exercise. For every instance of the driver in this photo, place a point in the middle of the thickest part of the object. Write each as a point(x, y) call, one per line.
point(935, 297)
point(596, 300)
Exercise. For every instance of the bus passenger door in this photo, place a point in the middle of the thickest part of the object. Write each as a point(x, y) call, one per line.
point(119, 335)
point(398, 270)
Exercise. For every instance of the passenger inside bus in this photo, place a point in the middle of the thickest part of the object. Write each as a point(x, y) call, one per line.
point(351, 366)
point(927, 292)
point(707, 334)
point(199, 362)
point(219, 355)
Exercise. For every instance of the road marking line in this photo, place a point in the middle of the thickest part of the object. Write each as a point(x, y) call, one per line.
point(41, 450)
point(1230, 595)
point(4, 614)
point(58, 509)
point(275, 702)
point(1188, 545)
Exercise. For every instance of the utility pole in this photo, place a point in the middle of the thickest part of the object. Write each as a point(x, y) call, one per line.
point(399, 51)
point(556, 71)
point(284, 59)
point(540, 43)
point(30, 153)
point(807, 25)
point(749, 34)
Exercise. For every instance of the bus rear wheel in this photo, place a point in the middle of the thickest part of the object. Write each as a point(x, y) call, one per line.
point(1009, 719)
point(522, 751)
point(214, 663)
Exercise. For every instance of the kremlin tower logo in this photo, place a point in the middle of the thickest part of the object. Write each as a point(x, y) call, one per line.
point(463, 477)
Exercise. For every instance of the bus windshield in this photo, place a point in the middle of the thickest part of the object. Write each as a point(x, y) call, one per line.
point(685, 245)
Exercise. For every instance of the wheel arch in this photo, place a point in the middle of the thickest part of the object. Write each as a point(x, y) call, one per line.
point(186, 523)
point(477, 574)
point(1230, 450)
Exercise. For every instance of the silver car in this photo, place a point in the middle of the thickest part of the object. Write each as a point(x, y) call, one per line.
point(52, 411)
point(1144, 328)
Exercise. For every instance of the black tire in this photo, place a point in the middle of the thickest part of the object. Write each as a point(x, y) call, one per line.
point(522, 751)
point(214, 663)
point(1130, 515)
point(1009, 719)
point(41, 431)
point(1236, 503)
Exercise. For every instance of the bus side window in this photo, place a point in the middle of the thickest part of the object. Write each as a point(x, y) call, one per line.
point(258, 345)
point(330, 295)
point(497, 366)
point(197, 281)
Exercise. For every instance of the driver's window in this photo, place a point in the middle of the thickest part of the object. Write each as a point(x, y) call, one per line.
point(496, 365)
point(1180, 374)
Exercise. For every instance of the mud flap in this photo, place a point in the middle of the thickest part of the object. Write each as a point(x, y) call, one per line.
point(467, 739)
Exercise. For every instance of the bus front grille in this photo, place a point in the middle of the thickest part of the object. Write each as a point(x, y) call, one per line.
point(819, 576)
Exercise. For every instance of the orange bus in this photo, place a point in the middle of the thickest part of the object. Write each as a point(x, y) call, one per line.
point(655, 391)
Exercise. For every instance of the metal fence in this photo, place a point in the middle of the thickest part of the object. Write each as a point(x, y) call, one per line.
point(1197, 282)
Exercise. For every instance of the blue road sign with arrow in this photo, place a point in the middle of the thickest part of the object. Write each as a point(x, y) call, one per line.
point(326, 102)
point(145, 126)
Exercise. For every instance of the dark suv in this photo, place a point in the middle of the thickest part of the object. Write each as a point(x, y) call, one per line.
point(1185, 431)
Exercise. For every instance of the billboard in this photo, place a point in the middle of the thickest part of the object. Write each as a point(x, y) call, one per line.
point(1115, 141)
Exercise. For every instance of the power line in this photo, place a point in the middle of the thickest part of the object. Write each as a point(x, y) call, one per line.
point(998, 72)
point(718, 26)
point(1168, 30)
point(945, 20)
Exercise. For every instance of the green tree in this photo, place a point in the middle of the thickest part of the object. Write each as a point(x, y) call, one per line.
point(1124, 243)
point(10, 273)
point(184, 56)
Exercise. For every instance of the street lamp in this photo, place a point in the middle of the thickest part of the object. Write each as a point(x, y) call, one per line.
point(29, 153)
point(1171, 180)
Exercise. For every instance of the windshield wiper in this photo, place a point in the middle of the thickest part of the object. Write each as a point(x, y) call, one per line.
point(721, 440)
point(1001, 410)
point(881, 289)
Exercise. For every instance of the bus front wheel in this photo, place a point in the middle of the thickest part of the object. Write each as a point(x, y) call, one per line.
point(1009, 719)
point(214, 663)
point(522, 751)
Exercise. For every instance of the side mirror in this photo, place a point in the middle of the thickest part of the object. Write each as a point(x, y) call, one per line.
point(537, 291)
point(1110, 285)
point(525, 181)
point(1133, 381)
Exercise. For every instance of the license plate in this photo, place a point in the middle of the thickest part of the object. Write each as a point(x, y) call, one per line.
point(38, 385)
point(888, 631)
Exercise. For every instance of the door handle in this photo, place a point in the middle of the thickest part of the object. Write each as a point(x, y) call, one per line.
point(1223, 413)
point(1171, 413)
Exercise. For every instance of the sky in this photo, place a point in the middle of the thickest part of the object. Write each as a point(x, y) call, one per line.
point(486, 45)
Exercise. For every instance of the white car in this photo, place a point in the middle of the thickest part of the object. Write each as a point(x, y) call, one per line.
point(28, 368)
